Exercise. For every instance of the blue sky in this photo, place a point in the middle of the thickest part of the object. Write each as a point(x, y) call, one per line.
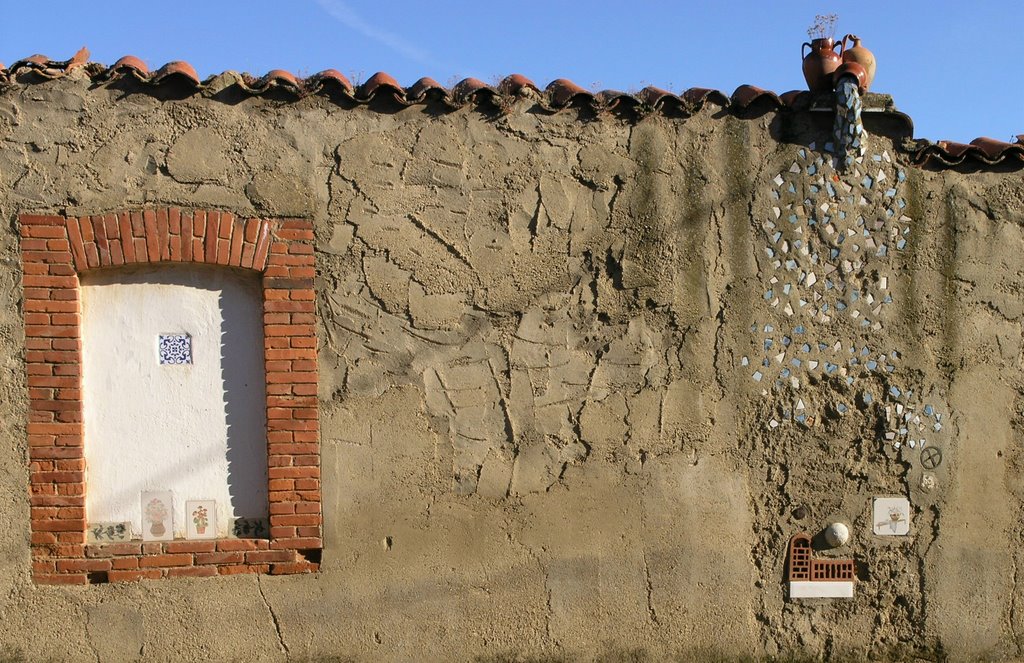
point(949, 65)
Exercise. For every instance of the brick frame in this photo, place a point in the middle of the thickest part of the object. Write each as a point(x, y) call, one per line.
point(55, 250)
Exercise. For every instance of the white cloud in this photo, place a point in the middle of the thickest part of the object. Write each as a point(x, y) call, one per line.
point(344, 15)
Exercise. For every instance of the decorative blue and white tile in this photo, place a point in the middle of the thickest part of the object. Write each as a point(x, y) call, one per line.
point(175, 349)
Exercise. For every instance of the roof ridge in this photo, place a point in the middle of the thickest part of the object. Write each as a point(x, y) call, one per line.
point(557, 96)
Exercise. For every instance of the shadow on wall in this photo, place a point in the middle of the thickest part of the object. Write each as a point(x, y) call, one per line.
point(245, 396)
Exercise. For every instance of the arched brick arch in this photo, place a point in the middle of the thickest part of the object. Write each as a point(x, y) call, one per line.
point(55, 250)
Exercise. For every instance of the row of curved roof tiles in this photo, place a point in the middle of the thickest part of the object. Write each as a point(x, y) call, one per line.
point(558, 94)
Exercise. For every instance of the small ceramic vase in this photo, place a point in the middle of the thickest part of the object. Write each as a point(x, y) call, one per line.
point(820, 63)
point(859, 55)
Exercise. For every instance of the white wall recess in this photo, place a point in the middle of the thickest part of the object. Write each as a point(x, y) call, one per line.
point(193, 422)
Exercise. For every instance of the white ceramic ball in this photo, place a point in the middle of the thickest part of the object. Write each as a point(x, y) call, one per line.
point(837, 534)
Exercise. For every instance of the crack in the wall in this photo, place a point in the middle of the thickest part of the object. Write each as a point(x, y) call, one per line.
point(88, 636)
point(449, 247)
point(651, 612)
point(282, 645)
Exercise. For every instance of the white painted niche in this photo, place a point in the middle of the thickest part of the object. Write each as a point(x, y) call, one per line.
point(187, 416)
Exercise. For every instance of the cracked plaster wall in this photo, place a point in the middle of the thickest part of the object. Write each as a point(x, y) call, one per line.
point(538, 435)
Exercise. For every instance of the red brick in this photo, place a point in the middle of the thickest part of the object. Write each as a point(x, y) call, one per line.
point(141, 250)
point(192, 572)
point(223, 251)
point(248, 253)
point(294, 472)
point(32, 281)
point(60, 579)
point(113, 549)
point(288, 306)
point(43, 538)
point(190, 546)
point(242, 568)
point(232, 545)
point(133, 576)
point(262, 556)
point(295, 234)
point(295, 520)
point(34, 244)
point(163, 234)
point(252, 229)
point(299, 543)
point(125, 226)
point(40, 220)
point(82, 565)
point(138, 225)
point(77, 243)
point(58, 525)
point(116, 253)
point(152, 235)
point(124, 563)
point(220, 558)
point(199, 223)
point(282, 532)
point(53, 452)
point(66, 550)
point(43, 232)
point(227, 225)
point(262, 248)
point(174, 220)
point(293, 567)
point(162, 561)
point(213, 227)
point(186, 236)
point(235, 254)
point(102, 243)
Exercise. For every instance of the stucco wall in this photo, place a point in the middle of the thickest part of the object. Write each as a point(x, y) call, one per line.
point(540, 438)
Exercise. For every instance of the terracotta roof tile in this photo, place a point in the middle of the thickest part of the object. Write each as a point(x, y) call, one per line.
point(177, 69)
point(330, 79)
point(696, 97)
point(747, 95)
point(129, 64)
point(471, 90)
point(424, 89)
point(988, 151)
point(558, 95)
point(518, 85)
point(380, 83)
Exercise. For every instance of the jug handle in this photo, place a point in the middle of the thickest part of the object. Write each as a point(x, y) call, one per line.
point(842, 44)
point(802, 56)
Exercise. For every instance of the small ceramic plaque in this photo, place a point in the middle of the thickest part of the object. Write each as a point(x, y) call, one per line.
point(157, 515)
point(202, 519)
point(175, 349)
point(891, 516)
point(249, 528)
point(108, 532)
